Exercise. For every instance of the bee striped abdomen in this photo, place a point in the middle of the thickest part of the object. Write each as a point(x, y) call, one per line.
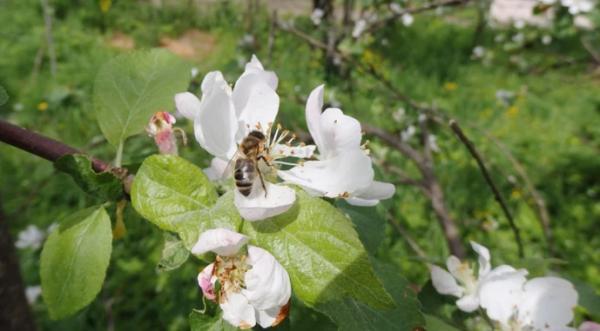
point(244, 175)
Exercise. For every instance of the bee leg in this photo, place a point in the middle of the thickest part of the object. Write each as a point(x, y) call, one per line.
point(262, 181)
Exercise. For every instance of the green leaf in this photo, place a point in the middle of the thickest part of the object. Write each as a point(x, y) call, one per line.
point(351, 315)
point(168, 190)
point(222, 215)
point(589, 298)
point(437, 324)
point(204, 322)
point(174, 253)
point(320, 250)
point(133, 86)
point(369, 224)
point(74, 261)
point(104, 185)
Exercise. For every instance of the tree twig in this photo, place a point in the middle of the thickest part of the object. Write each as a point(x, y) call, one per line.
point(410, 241)
point(41, 146)
point(486, 175)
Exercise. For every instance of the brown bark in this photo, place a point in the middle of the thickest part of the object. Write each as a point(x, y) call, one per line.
point(14, 309)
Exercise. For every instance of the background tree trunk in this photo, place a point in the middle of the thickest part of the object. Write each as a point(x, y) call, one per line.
point(14, 309)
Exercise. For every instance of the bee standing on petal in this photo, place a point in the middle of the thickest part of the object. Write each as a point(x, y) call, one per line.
point(249, 285)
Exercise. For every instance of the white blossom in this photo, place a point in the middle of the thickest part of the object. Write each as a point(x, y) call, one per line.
point(224, 117)
point(32, 293)
point(343, 168)
point(407, 19)
point(32, 237)
point(460, 279)
point(254, 287)
point(316, 16)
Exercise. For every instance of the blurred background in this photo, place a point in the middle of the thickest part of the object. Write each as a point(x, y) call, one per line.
point(520, 76)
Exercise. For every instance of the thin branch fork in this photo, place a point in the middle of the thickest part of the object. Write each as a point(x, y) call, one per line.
point(488, 179)
point(396, 15)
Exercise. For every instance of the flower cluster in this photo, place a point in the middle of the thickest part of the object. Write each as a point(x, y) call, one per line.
point(508, 298)
point(248, 284)
point(225, 118)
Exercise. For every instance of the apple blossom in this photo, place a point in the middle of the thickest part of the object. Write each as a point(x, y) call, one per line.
point(31, 237)
point(540, 304)
point(578, 6)
point(224, 117)
point(161, 129)
point(254, 287)
point(343, 168)
point(460, 280)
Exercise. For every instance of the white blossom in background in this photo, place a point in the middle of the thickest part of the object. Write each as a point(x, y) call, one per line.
point(253, 287)
point(359, 28)
point(395, 8)
point(408, 133)
point(316, 16)
point(32, 293)
point(343, 168)
point(540, 304)
point(31, 237)
point(194, 72)
point(519, 24)
point(224, 117)
point(518, 38)
point(578, 6)
point(432, 141)
point(518, 13)
point(589, 326)
point(546, 39)
point(478, 52)
point(461, 281)
point(407, 19)
point(399, 115)
point(583, 22)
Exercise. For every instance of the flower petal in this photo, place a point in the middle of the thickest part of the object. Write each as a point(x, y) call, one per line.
point(468, 303)
point(484, 258)
point(372, 194)
point(267, 317)
point(340, 176)
point(206, 280)
point(187, 105)
point(314, 107)
point(339, 132)
point(444, 283)
point(267, 283)
point(215, 127)
point(547, 303)
point(222, 242)
point(238, 312)
point(259, 111)
point(256, 206)
point(500, 292)
point(217, 169)
point(302, 152)
point(589, 326)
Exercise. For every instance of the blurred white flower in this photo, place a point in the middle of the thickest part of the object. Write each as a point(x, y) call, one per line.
point(316, 16)
point(460, 280)
point(32, 237)
point(589, 326)
point(224, 118)
point(546, 39)
point(359, 28)
point(395, 8)
point(578, 6)
point(544, 303)
point(32, 293)
point(432, 141)
point(478, 52)
point(407, 19)
point(341, 157)
point(518, 38)
point(408, 133)
point(583, 22)
point(399, 114)
point(253, 287)
point(194, 72)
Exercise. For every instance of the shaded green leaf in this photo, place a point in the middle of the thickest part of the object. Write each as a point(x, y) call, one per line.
point(352, 315)
point(104, 185)
point(369, 224)
point(204, 322)
point(320, 250)
point(436, 324)
point(174, 253)
point(589, 298)
point(133, 86)
point(74, 261)
point(168, 190)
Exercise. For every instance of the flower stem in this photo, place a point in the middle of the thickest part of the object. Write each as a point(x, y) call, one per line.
point(119, 156)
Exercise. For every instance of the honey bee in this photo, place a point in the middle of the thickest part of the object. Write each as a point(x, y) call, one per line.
point(251, 150)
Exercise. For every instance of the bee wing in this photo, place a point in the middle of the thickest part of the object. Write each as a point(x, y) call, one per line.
point(231, 164)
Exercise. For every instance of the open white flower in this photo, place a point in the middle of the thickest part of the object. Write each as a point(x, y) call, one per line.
point(344, 169)
point(462, 283)
point(224, 117)
point(540, 304)
point(254, 287)
point(32, 237)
